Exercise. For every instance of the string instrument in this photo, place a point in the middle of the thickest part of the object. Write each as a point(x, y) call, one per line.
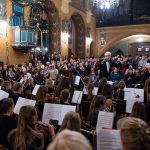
point(86, 126)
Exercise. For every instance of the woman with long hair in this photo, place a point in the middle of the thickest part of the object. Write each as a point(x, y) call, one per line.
point(147, 91)
point(41, 98)
point(25, 136)
point(71, 121)
point(96, 106)
point(107, 91)
point(64, 83)
point(138, 111)
point(147, 99)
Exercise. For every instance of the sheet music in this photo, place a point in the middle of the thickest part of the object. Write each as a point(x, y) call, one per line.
point(3, 94)
point(23, 102)
point(147, 64)
point(21, 81)
point(51, 111)
point(77, 80)
point(109, 140)
point(94, 92)
point(131, 95)
point(64, 110)
point(110, 82)
point(77, 97)
point(35, 89)
point(105, 120)
point(56, 112)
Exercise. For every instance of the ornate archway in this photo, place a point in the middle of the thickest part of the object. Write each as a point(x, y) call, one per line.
point(54, 25)
point(80, 32)
point(115, 34)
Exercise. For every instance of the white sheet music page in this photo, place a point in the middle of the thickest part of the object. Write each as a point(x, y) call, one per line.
point(35, 89)
point(64, 110)
point(51, 111)
point(21, 81)
point(3, 94)
point(110, 82)
point(56, 112)
point(105, 120)
point(138, 95)
point(109, 140)
point(77, 80)
point(77, 97)
point(94, 92)
point(23, 102)
point(131, 96)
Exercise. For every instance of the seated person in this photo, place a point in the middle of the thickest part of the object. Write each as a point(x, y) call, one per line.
point(7, 87)
point(7, 121)
point(1, 82)
point(107, 91)
point(64, 97)
point(41, 99)
point(138, 111)
point(50, 85)
point(108, 105)
point(102, 82)
point(115, 76)
point(70, 140)
point(18, 91)
point(139, 79)
point(119, 94)
point(93, 76)
point(28, 88)
point(135, 133)
point(129, 78)
point(25, 136)
point(96, 106)
point(71, 121)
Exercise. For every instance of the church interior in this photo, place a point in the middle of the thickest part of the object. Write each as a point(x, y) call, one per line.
point(74, 74)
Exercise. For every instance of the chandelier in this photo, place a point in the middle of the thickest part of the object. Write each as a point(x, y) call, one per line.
point(105, 4)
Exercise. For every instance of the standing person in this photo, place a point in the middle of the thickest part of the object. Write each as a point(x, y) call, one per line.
point(106, 66)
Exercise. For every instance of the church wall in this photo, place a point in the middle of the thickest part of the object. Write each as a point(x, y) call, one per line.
point(114, 34)
point(12, 56)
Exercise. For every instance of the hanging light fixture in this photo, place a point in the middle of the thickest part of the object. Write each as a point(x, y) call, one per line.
point(105, 4)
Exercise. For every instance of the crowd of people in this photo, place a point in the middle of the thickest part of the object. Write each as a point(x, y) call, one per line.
point(56, 76)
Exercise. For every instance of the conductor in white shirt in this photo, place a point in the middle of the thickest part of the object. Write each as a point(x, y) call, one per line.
point(106, 66)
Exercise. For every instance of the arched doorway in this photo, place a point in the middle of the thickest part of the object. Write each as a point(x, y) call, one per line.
point(131, 45)
point(78, 35)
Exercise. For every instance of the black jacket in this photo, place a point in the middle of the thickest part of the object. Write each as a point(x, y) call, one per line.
point(7, 123)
